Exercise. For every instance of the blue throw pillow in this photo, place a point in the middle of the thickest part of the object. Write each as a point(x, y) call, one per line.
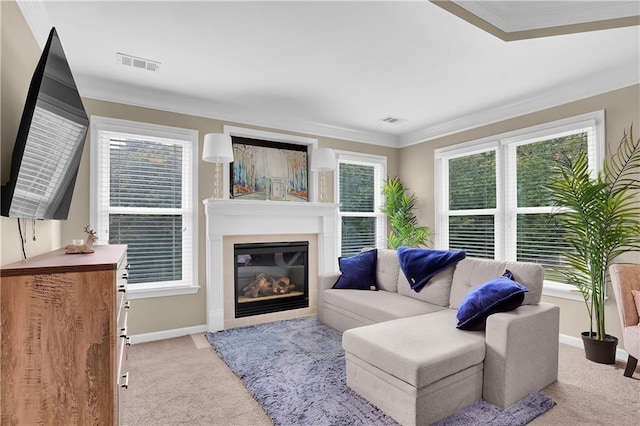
point(501, 294)
point(358, 271)
point(420, 265)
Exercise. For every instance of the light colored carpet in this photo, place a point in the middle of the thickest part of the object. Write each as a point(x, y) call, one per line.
point(175, 383)
point(178, 384)
point(588, 393)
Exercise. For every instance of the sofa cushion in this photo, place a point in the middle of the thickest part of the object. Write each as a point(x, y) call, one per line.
point(419, 350)
point(358, 271)
point(376, 306)
point(500, 294)
point(419, 265)
point(436, 291)
point(387, 268)
point(472, 272)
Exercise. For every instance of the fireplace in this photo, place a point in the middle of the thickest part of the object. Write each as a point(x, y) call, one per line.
point(270, 277)
point(231, 222)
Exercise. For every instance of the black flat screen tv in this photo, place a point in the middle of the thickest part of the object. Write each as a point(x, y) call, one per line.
point(49, 144)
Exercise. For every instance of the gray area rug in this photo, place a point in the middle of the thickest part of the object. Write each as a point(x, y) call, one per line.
point(483, 413)
point(296, 370)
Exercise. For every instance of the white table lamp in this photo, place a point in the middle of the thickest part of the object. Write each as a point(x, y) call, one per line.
point(217, 149)
point(323, 160)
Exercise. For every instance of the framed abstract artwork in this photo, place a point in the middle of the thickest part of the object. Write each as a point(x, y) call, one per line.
point(267, 170)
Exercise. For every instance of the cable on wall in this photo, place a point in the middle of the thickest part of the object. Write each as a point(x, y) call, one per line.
point(24, 254)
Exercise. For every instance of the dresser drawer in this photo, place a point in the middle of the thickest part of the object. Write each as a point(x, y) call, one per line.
point(122, 379)
point(122, 274)
point(122, 324)
point(122, 335)
point(123, 307)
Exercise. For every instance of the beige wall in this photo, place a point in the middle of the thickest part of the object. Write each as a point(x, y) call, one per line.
point(156, 314)
point(622, 107)
point(19, 54)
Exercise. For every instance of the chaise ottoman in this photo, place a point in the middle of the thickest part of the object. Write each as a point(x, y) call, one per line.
point(417, 369)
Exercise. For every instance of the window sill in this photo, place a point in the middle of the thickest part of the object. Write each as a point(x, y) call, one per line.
point(144, 292)
point(561, 290)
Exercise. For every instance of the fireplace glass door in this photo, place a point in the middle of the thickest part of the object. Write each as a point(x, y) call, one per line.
point(271, 277)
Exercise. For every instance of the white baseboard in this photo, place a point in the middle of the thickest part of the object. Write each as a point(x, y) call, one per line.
point(621, 354)
point(167, 334)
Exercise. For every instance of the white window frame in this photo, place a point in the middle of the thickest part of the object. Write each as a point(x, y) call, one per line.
point(506, 210)
point(381, 219)
point(189, 210)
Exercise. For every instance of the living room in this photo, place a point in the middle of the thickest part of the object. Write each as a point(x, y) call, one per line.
point(615, 92)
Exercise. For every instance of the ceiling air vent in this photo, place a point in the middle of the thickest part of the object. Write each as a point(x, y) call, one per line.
point(392, 120)
point(135, 62)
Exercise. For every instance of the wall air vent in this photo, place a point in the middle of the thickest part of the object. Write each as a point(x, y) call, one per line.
point(392, 120)
point(135, 62)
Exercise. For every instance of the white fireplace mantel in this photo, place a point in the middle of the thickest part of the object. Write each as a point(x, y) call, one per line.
point(247, 217)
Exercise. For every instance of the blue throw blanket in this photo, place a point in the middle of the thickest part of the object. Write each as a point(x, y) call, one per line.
point(420, 265)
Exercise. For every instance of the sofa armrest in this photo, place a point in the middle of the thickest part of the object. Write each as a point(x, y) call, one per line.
point(325, 281)
point(522, 353)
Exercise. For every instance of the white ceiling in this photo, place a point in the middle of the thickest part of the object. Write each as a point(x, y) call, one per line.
point(329, 68)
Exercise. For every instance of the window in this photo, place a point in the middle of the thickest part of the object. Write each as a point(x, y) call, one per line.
point(491, 196)
point(359, 192)
point(144, 182)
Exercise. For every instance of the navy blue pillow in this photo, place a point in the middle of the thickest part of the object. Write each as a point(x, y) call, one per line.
point(358, 271)
point(501, 294)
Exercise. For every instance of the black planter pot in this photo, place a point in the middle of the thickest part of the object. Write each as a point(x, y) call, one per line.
point(600, 351)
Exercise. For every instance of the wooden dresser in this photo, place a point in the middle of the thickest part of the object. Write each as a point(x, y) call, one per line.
point(64, 338)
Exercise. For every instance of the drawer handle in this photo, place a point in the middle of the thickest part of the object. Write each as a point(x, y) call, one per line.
point(123, 332)
point(128, 266)
point(128, 341)
point(122, 288)
point(127, 304)
point(125, 385)
point(125, 276)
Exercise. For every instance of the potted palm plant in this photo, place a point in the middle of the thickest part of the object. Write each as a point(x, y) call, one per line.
point(398, 206)
point(600, 214)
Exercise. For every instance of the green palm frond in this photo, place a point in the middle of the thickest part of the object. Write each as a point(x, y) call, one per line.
point(622, 168)
point(601, 215)
point(398, 206)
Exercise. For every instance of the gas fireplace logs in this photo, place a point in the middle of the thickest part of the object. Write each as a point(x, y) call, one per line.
point(267, 286)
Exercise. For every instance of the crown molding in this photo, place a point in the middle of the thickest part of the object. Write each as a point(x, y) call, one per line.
point(147, 98)
point(512, 21)
point(595, 85)
point(139, 96)
point(524, 16)
point(37, 20)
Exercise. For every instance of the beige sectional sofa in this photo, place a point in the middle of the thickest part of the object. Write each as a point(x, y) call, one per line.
point(405, 355)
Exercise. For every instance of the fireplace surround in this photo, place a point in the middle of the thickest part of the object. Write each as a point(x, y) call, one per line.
point(230, 222)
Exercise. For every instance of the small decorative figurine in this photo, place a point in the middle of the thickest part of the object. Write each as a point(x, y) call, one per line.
point(85, 247)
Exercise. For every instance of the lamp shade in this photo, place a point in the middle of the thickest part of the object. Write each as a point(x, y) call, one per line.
point(324, 159)
point(217, 148)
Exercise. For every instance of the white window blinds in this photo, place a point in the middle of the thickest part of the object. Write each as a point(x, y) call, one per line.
point(144, 198)
point(359, 194)
point(492, 197)
point(534, 235)
point(472, 203)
